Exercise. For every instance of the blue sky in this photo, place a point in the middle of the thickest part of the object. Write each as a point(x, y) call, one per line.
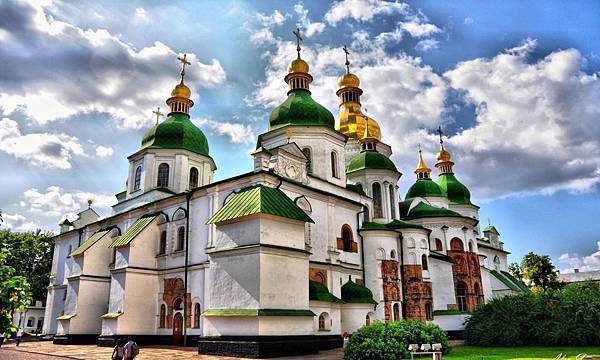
point(514, 83)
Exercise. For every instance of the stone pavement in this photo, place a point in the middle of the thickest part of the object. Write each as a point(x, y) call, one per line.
point(93, 352)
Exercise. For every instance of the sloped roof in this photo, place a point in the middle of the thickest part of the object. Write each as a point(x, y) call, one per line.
point(395, 224)
point(259, 199)
point(133, 231)
point(319, 292)
point(89, 242)
point(516, 281)
point(357, 294)
point(506, 281)
point(423, 210)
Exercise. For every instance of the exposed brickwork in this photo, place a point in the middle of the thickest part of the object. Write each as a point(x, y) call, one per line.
point(318, 275)
point(352, 245)
point(466, 270)
point(417, 293)
point(391, 285)
point(173, 289)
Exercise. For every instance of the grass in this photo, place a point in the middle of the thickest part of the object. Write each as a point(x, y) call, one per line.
point(521, 353)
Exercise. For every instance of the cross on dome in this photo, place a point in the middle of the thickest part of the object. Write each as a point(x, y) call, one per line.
point(441, 133)
point(158, 114)
point(347, 63)
point(298, 39)
point(184, 62)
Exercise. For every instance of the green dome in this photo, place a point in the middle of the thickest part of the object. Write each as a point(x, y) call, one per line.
point(423, 210)
point(457, 193)
point(319, 292)
point(424, 188)
point(300, 109)
point(370, 159)
point(177, 132)
point(357, 294)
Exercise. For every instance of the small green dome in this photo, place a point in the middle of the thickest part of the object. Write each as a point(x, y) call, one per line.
point(424, 188)
point(319, 292)
point(300, 109)
point(457, 193)
point(358, 294)
point(423, 210)
point(177, 132)
point(370, 159)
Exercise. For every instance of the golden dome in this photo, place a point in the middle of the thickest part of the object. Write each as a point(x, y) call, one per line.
point(352, 123)
point(181, 90)
point(421, 167)
point(298, 66)
point(443, 155)
point(349, 80)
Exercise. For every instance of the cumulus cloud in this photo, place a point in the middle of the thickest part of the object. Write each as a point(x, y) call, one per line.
point(47, 150)
point(236, 132)
point(418, 29)
point(260, 28)
point(18, 222)
point(362, 10)
point(310, 28)
point(427, 44)
point(85, 71)
point(104, 151)
point(56, 202)
point(583, 263)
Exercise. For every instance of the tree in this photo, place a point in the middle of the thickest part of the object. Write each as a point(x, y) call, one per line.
point(539, 271)
point(14, 294)
point(30, 254)
point(515, 270)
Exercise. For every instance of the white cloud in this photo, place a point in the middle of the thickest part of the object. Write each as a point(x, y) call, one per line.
point(362, 10)
point(310, 28)
point(18, 222)
point(469, 20)
point(104, 151)
point(417, 29)
point(427, 44)
point(583, 263)
point(46, 150)
point(88, 71)
point(236, 132)
point(56, 202)
point(141, 15)
point(262, 34)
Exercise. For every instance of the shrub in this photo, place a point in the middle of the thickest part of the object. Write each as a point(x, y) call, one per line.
point(570, 317)
point(390, 340)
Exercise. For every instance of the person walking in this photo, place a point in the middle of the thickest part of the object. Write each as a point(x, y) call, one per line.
point(119, 350)
point(131, 349)
point(19, 337)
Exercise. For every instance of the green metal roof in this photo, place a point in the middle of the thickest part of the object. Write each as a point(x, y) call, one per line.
point(423, 210)
point(370, 159)
point(356, 188)
point(396, 224)
point(89, 242)
point(357, 294)
point(300, 109)
point(133, 231)
point(457, 193)
point(259, 199)
point(424, 188)
point(176, 132)
point(491, 227)
point(319, 292)
point(516, 281)
point(505, 281)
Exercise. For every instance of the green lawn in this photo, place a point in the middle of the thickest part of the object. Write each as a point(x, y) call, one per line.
point(530, 352)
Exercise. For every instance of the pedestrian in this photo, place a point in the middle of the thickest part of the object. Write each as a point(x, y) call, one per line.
point(131, 349)
point(20, 333)
point(119, 350)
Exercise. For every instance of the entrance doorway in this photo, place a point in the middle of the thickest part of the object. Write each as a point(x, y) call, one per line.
point(177, 329)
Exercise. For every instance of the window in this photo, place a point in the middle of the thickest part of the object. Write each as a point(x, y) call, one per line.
point(428, 311)
point(180, 237)
point(137, 180)
point(163, 175)
point(193, 177)
point(30, 322)
point(393, 254)
point(392, 202)
point(424, 262)
point(368, 320)
point(308, 155)
point(377, 201)
point(334, 164)
point(163, 314)
point(438, 245)
point(320, 278)
point(347, 239)
point(40, 324)
point(470, 246)
point(496, 263)
point(178, 304)
point(396, 309)
point(197, 315)
point(456, 245)
point(461, 296)
point(162, 246)
point(478, 295)
point(321, 322)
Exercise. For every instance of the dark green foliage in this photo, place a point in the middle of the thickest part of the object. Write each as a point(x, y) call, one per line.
point(515, 270)
point(14, 294)
point(570, 317)
point(539, 271)
point(390, 340)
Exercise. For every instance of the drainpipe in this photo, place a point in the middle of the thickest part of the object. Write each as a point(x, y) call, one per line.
point(402, 279)
point(188, 196)
point(79, 240)
point(362, 248)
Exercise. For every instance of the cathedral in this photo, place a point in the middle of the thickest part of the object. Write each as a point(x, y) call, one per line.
point(316, 241)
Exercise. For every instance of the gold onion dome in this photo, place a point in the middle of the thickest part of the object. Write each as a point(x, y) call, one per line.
point(298, 66)
point(181, 90)
point(349, 80)
point(443, 155)
point(422, 167)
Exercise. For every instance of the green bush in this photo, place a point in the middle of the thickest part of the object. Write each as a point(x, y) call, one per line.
point(570, 317)
point(390, 340)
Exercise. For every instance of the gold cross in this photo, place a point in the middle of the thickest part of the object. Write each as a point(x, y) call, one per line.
point(158, 114)
point(184, 62)
point(440, 132)
point(347, 62)
point(298, 39)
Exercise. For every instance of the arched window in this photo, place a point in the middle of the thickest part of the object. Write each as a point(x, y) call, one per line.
point(438, 245)
point(380, 254)
point(456, 245)
point(470, 246)
point(393, 254)
point(392, 202)
point(162, 317)
point(308, 155)
point(396, 309)
point(377, 201)
point(30, 321)
point(347, 239)
point(334, 164)
point(320, 277)
point(496, 263)
point(163, 175)
point(180, 237)
point(193, 177)
point(424, 262)
point(137, 179)
point(368, 320)
point(178, 304)
point(478, 295)
point(428, 311)
point(197, 315)
point(324, 321)
point(461, 296)
point(162, 246)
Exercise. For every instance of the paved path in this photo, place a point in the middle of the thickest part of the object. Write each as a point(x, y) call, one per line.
point(43, 350)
